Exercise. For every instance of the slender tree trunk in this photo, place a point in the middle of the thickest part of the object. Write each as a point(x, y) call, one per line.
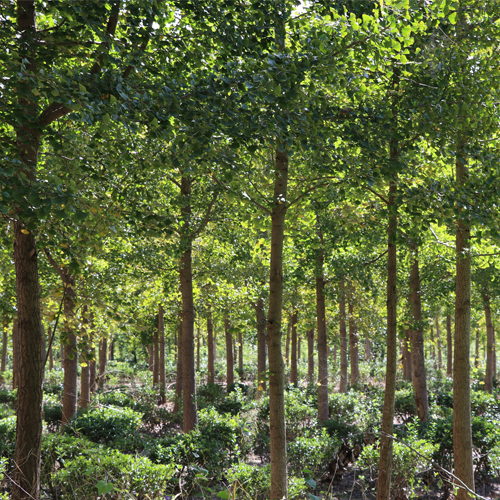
point(287, 348)
point(323, 411)
point(156, 356)
point(449, 352)
point(229, 354)
point(476, 353)
point(386, 441)
point(190, 417)
point(112, 349)
point(462, 433)
point(211, 349)
point(299, 342)
point(490, 342)
point(310, 356)
point(439, 346)
point(343, 339)
point(407, 372)
point(353, 342)
point(494, 355)
point(103, 351)
point(15, 354)
point(293, 370)
point(198, 350)
point(85, 363)
point(240, 355)
point(161, 330)
point(151, 358)
point(51, 354)
point(433, 349)
point(417, 337)
point(70, 394)
point(4, 348)
point(261, 345)
point(368, 349)
point(180, 371)
point(274, 333)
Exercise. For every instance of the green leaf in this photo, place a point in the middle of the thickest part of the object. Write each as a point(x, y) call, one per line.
point(104, 487)
point(223, 494)
point(106, 119)
point(311, 483)
point(453, 18)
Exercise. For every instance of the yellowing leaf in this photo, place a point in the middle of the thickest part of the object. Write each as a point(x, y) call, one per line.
point(25, 231)
point(63, 245)
point(260, 388)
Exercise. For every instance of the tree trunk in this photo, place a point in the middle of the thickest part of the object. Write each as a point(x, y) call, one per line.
point(229, 354)
point(85, 363)
point(29, 363)
point(198, 349)
point(161, 330)
point(368, 349)
point(4, 348)
point(274, 333)
point(51, 352)
point(439, 347)
point(417, 340)
point(433, 349)
point(490, 342)
point(310, 356)
point(151, 358)
point(15, 354)
point(112, 350)
point(407, 375)
point(70, 395)
point(103, 351)
point(462, 433)
point(287, 348)
point(156, 356)
point(299, 342)
point(293, 361)
point(178, 378)
point(449, 352)
point(261, 346)
point(240, 355)
point(211, 349)
point(353, 343)
point(323, 411)
point(386, 441)
point(190, 417)
point(343, 339)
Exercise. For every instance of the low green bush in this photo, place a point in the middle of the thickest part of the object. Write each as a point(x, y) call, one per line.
point(254, 483)
point(115, 474)
point(105, 423)
point(8, 436)
point(407, 468)
point(404, 404)
point(312, 451)
point(8, 396)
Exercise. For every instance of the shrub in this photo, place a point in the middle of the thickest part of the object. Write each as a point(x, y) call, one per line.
point(106, 423)
point(313, 451)
point(8, 436)
point(113, 473)
point(404, 404)
point(8, 396)
point(115, 398)
point(407, 465)
point(251, 482)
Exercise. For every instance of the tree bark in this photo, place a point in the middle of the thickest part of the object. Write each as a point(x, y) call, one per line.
point(490, 342)
point(240, 355)
point(4, 348)
point(353, 342)
point(51, 353)
point(462, 433)
point(476, 353)
point(103, 351)
point(261, 346)
point(85, 359)
point(211, 349)
point(439, 347)
point(70, 394)
point(293, 360)
point(449, 352)
point(178, 379)
point(386, 441)
point(112, 349)
point(368, 349)
point(287, 346)
point(417, 337)
point(156, 356)
point(15, 354)
point(190, 417)
point(161, 330)
point(323, 411)
point(229, 354)
point(343, 339)
point(310, 356)
point(198, 349)
point(407, 372)
point(277, 424)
